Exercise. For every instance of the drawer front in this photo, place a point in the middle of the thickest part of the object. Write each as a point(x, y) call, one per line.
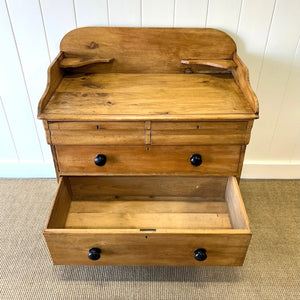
point(147, 248)
point(215, 160)
point(97, 133)
point(155, 133)
point(199, 133)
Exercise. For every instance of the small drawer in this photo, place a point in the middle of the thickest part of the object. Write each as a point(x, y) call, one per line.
point(148, 220)
point(97, 133)
point(199, 133)
point(204, 160)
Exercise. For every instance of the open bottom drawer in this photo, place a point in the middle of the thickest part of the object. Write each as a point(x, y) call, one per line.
point(148, 220)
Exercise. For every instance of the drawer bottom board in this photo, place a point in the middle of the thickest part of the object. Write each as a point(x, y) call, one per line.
point(132, 214)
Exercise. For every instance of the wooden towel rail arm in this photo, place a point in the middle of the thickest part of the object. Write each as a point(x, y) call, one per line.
point(239, 71)
point(75, 62)
point(217, 63)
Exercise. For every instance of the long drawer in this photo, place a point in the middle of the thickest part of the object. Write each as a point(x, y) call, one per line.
point(150, 220)
point(204, 160)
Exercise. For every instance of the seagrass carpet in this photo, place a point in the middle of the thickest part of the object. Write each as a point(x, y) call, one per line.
point(271, 269)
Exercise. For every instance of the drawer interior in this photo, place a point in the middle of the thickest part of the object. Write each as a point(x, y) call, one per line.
point(148, 203)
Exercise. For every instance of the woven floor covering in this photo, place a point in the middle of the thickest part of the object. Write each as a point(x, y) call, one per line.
point(271, 270)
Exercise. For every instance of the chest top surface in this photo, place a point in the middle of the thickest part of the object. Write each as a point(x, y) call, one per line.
point(128, 74)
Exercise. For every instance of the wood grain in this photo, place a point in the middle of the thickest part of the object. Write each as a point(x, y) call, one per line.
point(97, 133)
point(248, 132)
point(47, 131)
point(54, 77)
point(151, 46)
point(75, 62)
point(60, 206)
point(155, 133)
point(147, 96)
point(168, 205)
point(241, 76)
point(99, 137)
point(55, 162)
point(241, 162)
point(222, 64)
point(88, 126)
point(217, 160)
point(70, 247)
point(197, 133)
point(236, 207)
point(151, 187)
point(148, 220)
point(148, 214)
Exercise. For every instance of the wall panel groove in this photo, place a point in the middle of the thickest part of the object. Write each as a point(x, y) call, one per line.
point(21, 66)
point(251, 43)
point(190, 13)
point(124, 13)
point(44, 28)
point(108, 19)
point(266, 46)
point(157, 13)
point(174, 13)
point(8, 149)
point(75, 14)
point(141, 13)
point(14, 92)
point(279, 54)
point(239, 19)
point(206, 13)
point(33, 70)
point(91, 13)
point(224, 15)
point(25, 81)
point(59, 19)
point(287, 126)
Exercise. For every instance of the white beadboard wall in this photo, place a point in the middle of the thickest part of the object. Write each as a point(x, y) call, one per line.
point(266, 32)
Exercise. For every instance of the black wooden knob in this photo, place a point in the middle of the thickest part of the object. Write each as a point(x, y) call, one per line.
point(100, 160)
point(196, 159)
point(94, 253)
point(200, 254)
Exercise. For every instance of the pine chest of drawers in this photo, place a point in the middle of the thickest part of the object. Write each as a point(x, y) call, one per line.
point(148, 129)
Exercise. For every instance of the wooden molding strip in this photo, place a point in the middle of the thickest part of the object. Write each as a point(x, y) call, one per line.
point(241, 76)
point(75, 62)
point(54, 76)
point(217, 63)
